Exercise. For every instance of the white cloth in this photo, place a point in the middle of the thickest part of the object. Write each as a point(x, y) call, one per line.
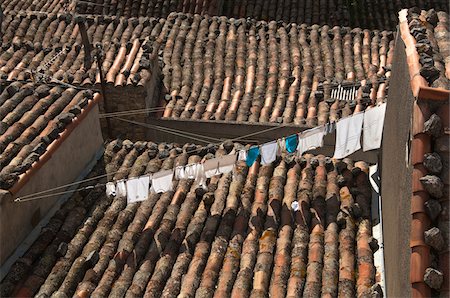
point(179, 173)
point(220, 165)
point(110, 189)
point(200, 176)
point(190, 171)
point(242, 155)
point(137, 189)
point(162, 181)
point(295, 206)
point(373, 127)
point(310, 139)
point(348, 135)
point(121, 189)
point(269, 152)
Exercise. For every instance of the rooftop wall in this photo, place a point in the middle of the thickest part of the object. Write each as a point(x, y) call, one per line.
point(64, 166)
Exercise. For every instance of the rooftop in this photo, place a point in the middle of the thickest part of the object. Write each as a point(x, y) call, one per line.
point(32, 116)
point(241, 235)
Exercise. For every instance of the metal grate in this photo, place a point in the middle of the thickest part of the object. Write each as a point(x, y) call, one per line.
point(345, 93)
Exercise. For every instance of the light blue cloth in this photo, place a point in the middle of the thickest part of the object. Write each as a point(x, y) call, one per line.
point(291, 143)
point(252, 155)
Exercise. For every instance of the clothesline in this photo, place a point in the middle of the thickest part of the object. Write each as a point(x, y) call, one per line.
point(34, 195)
point(348, 134)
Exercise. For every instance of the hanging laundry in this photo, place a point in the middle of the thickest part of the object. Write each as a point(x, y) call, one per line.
point(281, 145)
point(179, 173)
point(291, 143)
point(220, 165)
point(348, 135)
point(110, 189)
point(269, 152)
point(330, 127)
point(252, 155)
point(137, 189)
point(200, 176)
point(295, 206)
point(189, 171)
point(242, 155)
point(310, 139)
point(121, 189)
point(373, 127)
point(162, 181)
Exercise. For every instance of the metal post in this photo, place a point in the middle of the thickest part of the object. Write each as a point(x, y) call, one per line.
point(103, 88)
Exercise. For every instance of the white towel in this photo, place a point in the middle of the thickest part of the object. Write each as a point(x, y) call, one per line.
point(162, 181)
point(110, 189)
point(348, 135)
point(269, 152)
point(310, 139)
point(220, 165)
point(137, 189)
point(121, 189)
point(373, 127)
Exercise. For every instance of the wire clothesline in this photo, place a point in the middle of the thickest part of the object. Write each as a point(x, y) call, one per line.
point(44, 194)
point(20, 199)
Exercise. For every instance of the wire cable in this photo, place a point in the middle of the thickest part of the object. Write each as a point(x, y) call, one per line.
point(34, 195)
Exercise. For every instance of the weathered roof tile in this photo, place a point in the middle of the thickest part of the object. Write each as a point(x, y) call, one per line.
point(240, 235)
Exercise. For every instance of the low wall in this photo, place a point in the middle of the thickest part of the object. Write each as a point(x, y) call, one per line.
point(17, 220)
point(396, 177)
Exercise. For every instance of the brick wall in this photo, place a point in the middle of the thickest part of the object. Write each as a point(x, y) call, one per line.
point(131, 97)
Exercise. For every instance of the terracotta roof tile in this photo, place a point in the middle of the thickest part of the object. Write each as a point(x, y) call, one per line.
point(139, 8)
point(425, 34)
point(240, 235)
point(59, 52)
point(31, 117)
point(365, 14)
point(243, 70)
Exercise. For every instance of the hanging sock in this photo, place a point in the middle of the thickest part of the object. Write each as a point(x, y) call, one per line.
point(310, 139)
point(291, 143)
point(110, 189)
point(121, 189)
point(200, 176)
point(348, 135)
point(373, 127)
point(269, 152)
point(137, 189)
point(162, 181)
point(330, 127)
point(252, 155)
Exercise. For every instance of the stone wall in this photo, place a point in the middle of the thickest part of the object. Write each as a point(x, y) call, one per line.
point(130, 97)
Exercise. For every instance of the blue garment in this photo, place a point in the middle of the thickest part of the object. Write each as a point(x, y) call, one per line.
point(252, 155)
point(291, 143)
